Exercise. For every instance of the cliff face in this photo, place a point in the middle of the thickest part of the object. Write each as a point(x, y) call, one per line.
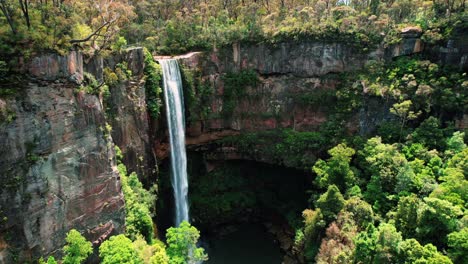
point(294, 80)
point(57, 164)
point(57, 170)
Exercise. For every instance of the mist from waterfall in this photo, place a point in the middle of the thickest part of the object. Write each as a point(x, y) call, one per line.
point(174, 98)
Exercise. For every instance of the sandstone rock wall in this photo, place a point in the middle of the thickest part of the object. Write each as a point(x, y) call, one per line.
point(129, 118)
point(57, 164)
point(290, 72)
point(57, 172)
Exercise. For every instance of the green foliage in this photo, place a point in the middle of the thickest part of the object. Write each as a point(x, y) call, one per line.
point(119, 44)
point(122, 71)
point(336, 170)
point(153, 82)
point(91, 86)
point(283, 146)
point(430, 134)
point(307, 238)
point(406, 218)
point(4, 69)
point(110, 77)
point(235, 88)
point(458, 245)
point(138, 202)
point(50, 260)
point(413, 252)
point(197, 94)
point(361, 212)
point(436, 219)
point(151, 254)
point(330, 203)
point(118, 249)
point(220, 195)
point(182, 244)
point(28, 27)
point(77, 248)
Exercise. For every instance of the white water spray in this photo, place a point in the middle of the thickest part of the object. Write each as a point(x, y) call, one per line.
point(174, 96)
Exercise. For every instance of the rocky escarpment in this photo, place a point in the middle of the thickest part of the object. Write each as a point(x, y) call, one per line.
point(57, 171)
point(57, 164)
point(295, 87)
point(295, 79)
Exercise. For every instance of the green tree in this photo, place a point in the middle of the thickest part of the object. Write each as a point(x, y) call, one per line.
point(430, 134)
point(308, 238)
point(402, 110)
point(456, 143)
point(77, 248)
point(365, 245)
point(336, 170)
point(458, 245)
point(151, 254)
point(330, 203)
point(410, 251)
point(182, 244)
point(406, 218)
point(436, 219)
point(50, 260)
point(118, 249)
point(362, 212)
point(453, 187)
point(388, 238)
point(387, 167)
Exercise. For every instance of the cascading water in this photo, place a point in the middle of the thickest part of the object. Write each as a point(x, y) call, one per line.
point(174, 96)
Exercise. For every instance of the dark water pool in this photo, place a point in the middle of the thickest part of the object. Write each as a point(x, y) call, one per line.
point(249, 244)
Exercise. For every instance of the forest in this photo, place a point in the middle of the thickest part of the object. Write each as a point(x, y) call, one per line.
point(395, 195)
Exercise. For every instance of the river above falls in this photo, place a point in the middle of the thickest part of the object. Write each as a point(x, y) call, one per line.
point(248, 244)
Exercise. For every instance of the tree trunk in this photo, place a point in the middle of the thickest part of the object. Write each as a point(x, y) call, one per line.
point(24, 4)
point(6, 11)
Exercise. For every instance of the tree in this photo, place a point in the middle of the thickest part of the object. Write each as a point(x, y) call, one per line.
point(410, 251)
point(118, 249)
point(336, 247)
point(406, 218)
point(105, 18)
point(388, 238)
point(430, 134)
point(151, 254)
point(308, 238)
point(456, 143)
point(385, 164)
point(330, 203)
point(458, 245)
point(436, 219)
point(365, 244)
point(402, 110)
point(77, 248)
point(50, 260)
point(7, 11)
point(336, 170)
point(182, 244)
point(362, 212)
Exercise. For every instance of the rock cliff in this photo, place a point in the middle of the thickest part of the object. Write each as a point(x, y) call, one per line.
point(57, 164)
point(294, 80)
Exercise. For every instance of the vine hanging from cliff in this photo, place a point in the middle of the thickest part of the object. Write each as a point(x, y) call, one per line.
point(153, 78)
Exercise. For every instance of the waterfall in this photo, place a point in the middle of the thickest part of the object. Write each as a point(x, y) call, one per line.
point(174, 97)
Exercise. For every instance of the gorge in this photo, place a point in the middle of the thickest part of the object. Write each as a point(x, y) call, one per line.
point(263, 132)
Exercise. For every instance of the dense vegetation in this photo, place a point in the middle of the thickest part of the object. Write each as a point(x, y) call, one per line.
point(179, 26)
point(396, 195)
point(138, 245)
